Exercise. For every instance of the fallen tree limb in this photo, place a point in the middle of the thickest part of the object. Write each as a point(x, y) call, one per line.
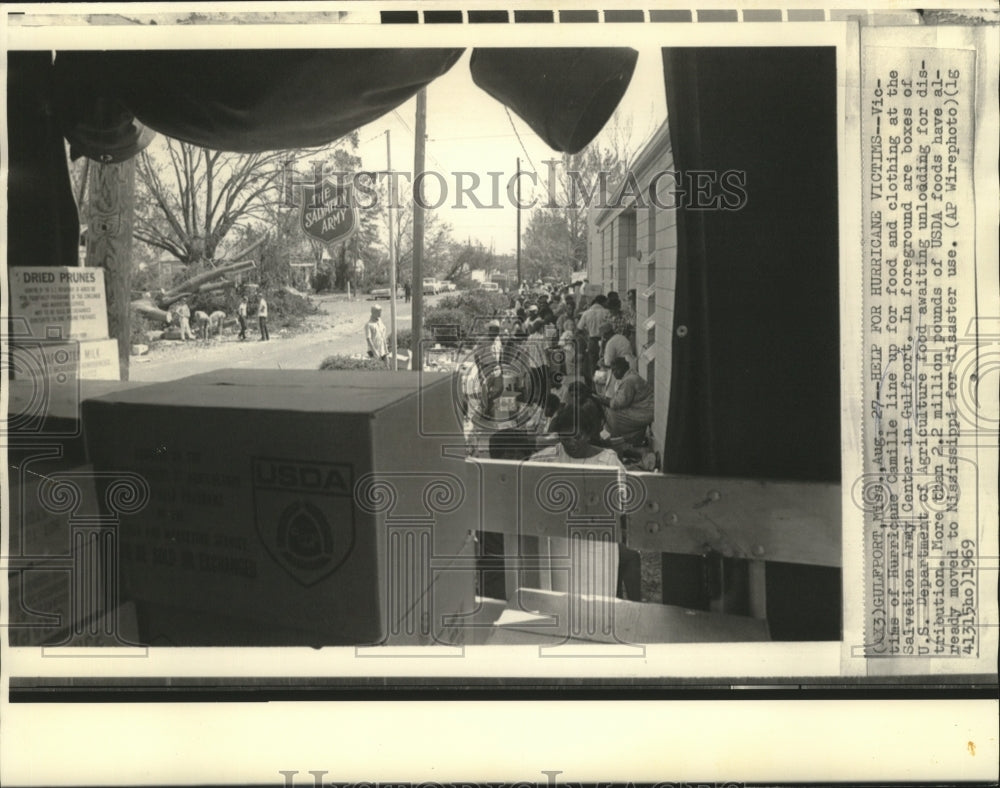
point(156, 307)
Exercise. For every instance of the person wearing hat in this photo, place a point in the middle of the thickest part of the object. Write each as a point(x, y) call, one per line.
point(375, 335)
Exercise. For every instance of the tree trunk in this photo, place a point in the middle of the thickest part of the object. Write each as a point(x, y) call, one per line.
point(110, 213)
point(189, 286)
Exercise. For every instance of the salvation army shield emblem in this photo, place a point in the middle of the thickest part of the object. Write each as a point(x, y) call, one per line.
point(327, 212)
point(304, 515)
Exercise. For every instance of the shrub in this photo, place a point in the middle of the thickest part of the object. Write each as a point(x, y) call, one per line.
point(289, 309)
point(476, 303)
point(467, 310)
point(441, 316)
point(138, 326)
point(404, 340)
point(347, 362)
point(321, 281)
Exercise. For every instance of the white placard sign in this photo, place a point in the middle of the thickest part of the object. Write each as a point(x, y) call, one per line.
point(96, 359)
point(60, 303)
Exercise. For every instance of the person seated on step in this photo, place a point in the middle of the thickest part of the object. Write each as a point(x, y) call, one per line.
point(628, 403)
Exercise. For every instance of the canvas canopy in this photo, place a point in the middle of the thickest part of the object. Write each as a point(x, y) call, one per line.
point(105, 103)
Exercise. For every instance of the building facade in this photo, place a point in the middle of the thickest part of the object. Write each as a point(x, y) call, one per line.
point(634, 247)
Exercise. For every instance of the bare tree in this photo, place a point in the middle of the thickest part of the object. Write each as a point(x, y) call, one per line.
point(555, 239)
point(191, 199)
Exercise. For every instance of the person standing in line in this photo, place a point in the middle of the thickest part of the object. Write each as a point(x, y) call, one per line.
point(616, 315)
point(376, 335)
point(241, 315)
point(488, 355)
point(567, 341)
point(537, 366)
point(262, 318)
point(591, 321)
point(569, 313)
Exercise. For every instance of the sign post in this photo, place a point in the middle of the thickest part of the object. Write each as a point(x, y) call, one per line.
point(327, 211)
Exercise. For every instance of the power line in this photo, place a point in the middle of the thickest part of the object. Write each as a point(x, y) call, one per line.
point(407, 125)
point(481, 137)
point(402, 120)
point(509, 118)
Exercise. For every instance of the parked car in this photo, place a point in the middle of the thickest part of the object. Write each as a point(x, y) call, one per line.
point(383, 292)
point(492, 287)
point(432, 286)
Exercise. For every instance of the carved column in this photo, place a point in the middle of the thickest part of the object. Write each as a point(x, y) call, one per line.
point(110, 214)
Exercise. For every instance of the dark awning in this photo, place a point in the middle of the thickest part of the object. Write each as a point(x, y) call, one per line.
point(104, 103)
point(256, 100)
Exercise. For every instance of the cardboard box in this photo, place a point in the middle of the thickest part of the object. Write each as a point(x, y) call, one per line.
point(292, 507)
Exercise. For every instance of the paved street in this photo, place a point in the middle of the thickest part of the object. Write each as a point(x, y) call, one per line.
point(337, 329)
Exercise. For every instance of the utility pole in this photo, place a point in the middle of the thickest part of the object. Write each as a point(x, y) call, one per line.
point(417, 323)
point(110, 214)
point(518, 176)
point(392, 255)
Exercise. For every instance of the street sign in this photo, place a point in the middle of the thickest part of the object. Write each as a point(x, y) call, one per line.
point(327, 211)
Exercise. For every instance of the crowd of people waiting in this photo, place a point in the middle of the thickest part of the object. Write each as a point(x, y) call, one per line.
point(564, 348)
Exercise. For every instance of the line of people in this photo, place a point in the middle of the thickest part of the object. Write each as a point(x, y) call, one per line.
point(553, 345)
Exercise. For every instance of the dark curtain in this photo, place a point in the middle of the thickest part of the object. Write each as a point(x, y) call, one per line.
point(755, 365)
point(755, 388)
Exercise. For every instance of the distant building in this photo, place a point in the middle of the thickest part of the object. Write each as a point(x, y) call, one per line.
point(163, 271)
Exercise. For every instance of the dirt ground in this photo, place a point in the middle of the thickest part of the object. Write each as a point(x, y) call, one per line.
point(337, 328)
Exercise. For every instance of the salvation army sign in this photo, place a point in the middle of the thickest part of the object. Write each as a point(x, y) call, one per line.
point(327, 212)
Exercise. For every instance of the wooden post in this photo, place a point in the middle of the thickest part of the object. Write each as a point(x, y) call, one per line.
point(110, 213)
